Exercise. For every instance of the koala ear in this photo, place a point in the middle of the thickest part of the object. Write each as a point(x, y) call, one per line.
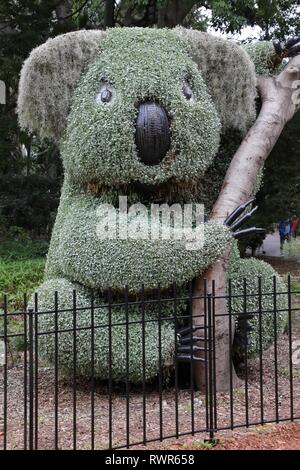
point(49, 77)
point(229, 75)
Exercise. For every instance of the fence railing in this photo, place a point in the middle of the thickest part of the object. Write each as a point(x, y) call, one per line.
point(120, 372)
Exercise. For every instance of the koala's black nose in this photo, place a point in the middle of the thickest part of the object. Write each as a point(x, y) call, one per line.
point(152, 134)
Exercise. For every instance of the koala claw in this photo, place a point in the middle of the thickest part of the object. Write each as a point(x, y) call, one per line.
point(187, 344)
point(236, 220)
point(289, 49)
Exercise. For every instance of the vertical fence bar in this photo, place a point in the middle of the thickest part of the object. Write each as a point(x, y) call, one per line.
point(275, 348)
point(214, 353)
point(230, 352)
point(261, 381)
point(160, 367)
point(5, 375)
point(176, 360)
point(31, 380)
point(36, 378)
point(55, 370)
point(210, 367)
point(206, 353)
point(144, 365)
point(110, 431)
point(25, 368)
point(127, 370)
point(92, 372)
point(246, 352)
point(192, 388)
point(290, 350)
point(74, 370)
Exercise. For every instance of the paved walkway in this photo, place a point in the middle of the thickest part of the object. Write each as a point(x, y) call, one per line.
point(271, 247)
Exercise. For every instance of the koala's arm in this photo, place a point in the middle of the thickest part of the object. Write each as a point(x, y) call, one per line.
point(78, 254)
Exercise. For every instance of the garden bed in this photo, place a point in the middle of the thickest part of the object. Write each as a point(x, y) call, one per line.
point(46, 397)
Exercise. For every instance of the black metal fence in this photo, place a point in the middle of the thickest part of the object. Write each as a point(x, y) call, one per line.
point(49, 406)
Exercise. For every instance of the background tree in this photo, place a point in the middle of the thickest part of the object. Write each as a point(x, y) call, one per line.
point(24, 24)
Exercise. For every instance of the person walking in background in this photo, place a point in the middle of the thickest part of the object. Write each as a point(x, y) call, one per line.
point(294, 226)
point(282, 233)
point(288, 229)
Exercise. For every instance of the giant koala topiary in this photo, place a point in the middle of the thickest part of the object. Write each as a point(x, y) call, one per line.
point(88, 91)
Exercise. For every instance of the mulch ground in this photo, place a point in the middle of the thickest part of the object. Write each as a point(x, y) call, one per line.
point(270, 436)
point(120, 408)
point(285, 437)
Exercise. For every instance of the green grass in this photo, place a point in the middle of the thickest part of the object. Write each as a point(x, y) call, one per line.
point(22, 266)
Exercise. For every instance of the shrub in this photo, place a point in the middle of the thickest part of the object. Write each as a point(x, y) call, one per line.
point(22, 266)
point(65, 320)
point(251, 269)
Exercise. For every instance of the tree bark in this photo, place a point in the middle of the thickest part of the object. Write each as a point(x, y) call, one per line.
point(109, 20)
point(278, 108)
point(174, 13)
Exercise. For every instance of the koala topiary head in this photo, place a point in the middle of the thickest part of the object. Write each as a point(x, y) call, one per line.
point(99, 94)
point(101, 141)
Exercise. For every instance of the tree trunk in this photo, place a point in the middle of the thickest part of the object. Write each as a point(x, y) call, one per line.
point(174, 13)
point(169, 16)
point(109, 20)
point(278, 107)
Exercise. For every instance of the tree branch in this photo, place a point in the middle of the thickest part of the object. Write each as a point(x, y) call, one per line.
point(278, 108)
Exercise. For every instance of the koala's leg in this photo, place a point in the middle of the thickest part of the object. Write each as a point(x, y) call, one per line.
point(138, 356)
point(247, 329)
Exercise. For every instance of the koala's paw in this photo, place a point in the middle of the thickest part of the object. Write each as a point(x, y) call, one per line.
point(188, 340)
point(238, 218)
point(290, 48)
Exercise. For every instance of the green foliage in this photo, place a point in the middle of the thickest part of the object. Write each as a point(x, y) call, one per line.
point(55, 68)
point(80, 255)
point(14, 250)
point(22, 266)
point(98, 150)
point(291, 249)
point(28, 202)
point(275, 18)
point(263, 56)
point(24, 25)
point(250, 269)
point(279, 196)
point(15, 326)
point(104, 133)
point(101, 335)
point(229, 75)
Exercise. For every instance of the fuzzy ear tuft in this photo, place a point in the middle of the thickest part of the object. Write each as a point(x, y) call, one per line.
point(229, 75)
point(49, 77)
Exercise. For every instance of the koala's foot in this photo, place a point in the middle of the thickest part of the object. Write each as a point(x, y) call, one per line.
point(188, 343)
point(141, 359)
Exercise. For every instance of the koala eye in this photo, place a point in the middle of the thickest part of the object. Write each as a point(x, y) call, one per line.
point(187, 91)
point(104, 96)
